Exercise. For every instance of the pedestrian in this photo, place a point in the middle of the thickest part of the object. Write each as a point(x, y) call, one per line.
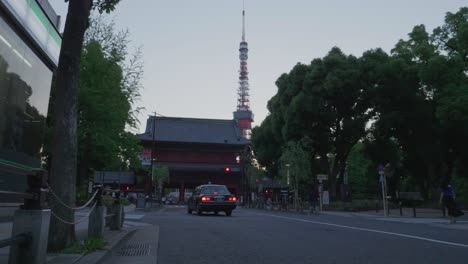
point(269, 203)
point(313, 198)
point(447, 198)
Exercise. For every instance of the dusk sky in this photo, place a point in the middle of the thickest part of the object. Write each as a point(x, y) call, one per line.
point(190, 48)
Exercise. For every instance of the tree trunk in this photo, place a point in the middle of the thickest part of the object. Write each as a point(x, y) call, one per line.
point(332, 178)
point(64, 148)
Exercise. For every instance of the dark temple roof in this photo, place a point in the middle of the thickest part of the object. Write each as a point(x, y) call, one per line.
point(194, 130)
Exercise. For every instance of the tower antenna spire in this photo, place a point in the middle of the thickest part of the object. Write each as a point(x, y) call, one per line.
point(243, 20)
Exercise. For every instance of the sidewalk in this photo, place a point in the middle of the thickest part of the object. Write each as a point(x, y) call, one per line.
point(112, 237)
point(433, 217)
point(408, 213)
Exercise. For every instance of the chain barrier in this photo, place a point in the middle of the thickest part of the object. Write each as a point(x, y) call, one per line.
point(76, 222)
point(72, 208)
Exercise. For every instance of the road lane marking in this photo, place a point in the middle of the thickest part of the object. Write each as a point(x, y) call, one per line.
point(368, 230)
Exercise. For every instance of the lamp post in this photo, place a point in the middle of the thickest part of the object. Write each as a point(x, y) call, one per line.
point(243, 158)
point(288, 181)
point(242, 180)
point(153, 141)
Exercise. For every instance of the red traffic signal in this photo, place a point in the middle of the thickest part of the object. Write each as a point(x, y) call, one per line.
point(227, 169)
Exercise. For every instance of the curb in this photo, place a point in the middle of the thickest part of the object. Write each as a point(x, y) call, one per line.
point(98, 256)
point(157, 244)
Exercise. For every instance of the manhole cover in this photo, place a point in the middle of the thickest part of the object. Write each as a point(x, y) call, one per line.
point(135, 250)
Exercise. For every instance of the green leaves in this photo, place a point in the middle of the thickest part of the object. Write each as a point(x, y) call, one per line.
point(109, 86)
point(160, 174)
point(296, 158)
point(409, 108)
point(105, 5)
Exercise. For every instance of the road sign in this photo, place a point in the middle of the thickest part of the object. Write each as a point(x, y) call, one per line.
point(325, 198)
point(322, 177)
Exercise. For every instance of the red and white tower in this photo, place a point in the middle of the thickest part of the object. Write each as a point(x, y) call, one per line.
point(243, 115)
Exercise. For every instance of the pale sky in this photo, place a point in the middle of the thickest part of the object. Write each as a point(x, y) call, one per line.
point(190, 47)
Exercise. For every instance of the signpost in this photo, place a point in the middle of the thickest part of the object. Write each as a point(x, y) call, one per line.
point(321, 178)
point(326, 197)
point(383, 184)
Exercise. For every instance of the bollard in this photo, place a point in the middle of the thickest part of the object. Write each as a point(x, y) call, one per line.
point(117, 217)
point(35, 223)
point(96, 218)
point(96, 222)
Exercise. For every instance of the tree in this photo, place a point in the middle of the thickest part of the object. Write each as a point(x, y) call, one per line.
point(408, 108)
point(64, 147)
point(336, 87)
point(326, 102)
point(160, 175)
point(358, 173)
point(419, 98)
point(265, 145)
point(295, 163)
point(104, 111)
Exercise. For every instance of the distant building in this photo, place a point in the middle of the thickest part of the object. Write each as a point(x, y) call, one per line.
point(29, 50)
point(196, 151)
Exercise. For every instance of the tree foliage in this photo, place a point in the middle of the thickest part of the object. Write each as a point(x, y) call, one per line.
point(295, 161)
point(103, 114)
point(407, 109)
point(160, 174)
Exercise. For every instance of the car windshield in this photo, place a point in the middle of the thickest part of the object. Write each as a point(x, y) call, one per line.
point(213, 190)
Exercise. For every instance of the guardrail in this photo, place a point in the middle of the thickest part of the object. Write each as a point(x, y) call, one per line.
point(16, 240)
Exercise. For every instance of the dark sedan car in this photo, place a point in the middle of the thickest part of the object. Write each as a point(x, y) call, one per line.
point(211, 198)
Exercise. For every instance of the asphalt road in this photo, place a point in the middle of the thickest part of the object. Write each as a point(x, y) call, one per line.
point(254, 236)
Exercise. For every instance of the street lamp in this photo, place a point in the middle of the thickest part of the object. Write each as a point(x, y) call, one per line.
point(149, 185)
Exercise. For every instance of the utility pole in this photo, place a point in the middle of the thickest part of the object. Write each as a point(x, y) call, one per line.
point(153, 142)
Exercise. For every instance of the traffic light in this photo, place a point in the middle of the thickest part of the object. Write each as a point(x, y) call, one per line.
point(227, 169)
